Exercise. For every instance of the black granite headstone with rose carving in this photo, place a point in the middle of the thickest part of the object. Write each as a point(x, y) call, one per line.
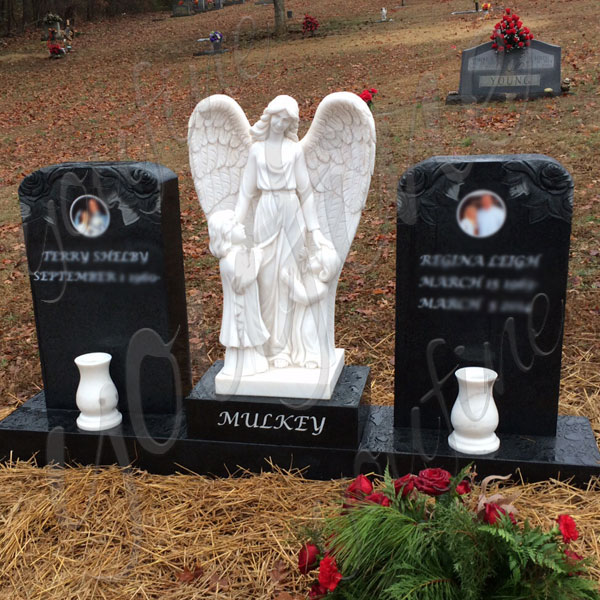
point(103, 244)
point(490, 75)
point(482, 262)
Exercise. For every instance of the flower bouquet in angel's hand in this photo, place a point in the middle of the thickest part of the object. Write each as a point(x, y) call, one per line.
point(427, 536)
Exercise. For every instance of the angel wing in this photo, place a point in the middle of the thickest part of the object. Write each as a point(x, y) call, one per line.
point(219, 142)
point(339, 149)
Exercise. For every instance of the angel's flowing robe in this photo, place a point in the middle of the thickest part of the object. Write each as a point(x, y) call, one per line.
point(285, 211)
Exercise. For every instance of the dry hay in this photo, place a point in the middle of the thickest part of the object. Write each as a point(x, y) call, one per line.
point(111, 533)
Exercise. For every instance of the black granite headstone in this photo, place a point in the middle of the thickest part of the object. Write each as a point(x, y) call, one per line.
point(482, 262)
point(103, 243)
point(489, 75)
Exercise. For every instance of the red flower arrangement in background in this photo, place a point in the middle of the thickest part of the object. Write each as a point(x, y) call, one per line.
point(367, 96)
point(309, 25)
point(510, 34)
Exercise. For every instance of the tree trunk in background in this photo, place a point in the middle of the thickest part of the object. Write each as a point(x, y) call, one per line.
point(280, 20)
point(27, 14)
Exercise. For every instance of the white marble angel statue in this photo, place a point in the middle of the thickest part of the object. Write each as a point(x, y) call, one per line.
point(300, 203)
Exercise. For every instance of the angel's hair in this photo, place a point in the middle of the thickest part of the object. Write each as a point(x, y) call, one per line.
point(329, 263)
point(281, 104)
point(220, 225)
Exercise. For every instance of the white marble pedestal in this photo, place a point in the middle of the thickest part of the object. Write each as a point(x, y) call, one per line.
point(291, 382)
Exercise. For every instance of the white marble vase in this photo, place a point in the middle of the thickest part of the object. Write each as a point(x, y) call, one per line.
point(474, 416)
point(97, 395)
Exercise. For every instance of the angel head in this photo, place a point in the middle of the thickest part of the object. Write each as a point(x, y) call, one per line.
point(324, 263)
point(282, 116)
point(224, 232)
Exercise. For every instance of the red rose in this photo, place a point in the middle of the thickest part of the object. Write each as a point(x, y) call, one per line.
point(493, 512)
point(329, 576)
point(531, 36)
point(521, 44)
point(516, 17)
point(308, 558)
point(378, 498)
point(568, 529)
point(519, 23)
point(361, 486)
point(366, 96)
point(508, 11)
point(433, 482)
point(317, 592)
point(373, 91)
point(500, 49)
point(526, 43)
point(464, 487)
point(494, 46)
point(405, 485)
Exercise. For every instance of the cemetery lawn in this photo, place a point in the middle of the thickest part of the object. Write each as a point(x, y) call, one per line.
point(126, 93)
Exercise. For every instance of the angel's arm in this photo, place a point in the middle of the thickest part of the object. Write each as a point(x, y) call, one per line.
point(297, 290)
point(305, 191)
point(247, 188)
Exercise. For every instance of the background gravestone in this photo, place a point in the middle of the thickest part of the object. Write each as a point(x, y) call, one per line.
point(465, 299)
point(489, 75)
point(103, 243)
point(183, 8)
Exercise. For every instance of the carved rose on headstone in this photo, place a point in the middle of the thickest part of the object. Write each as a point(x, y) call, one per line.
point(34, 185)
point(144, 184)
point(554, 179)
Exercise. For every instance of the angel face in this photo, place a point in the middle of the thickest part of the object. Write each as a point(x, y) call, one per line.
point(280, 122)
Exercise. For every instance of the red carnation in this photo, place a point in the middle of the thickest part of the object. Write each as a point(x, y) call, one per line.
point(317, 592)
point(378, 498)
point(405, 485)
point(308, 558)
point(329, 576)
point(493, 512)
point(464, 487)
point(568, 528)
point(433, 482)
point(573, 555)
point(361, 486)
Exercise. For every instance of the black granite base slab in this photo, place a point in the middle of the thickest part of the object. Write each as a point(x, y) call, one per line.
point(334, 423)
point(52, 436)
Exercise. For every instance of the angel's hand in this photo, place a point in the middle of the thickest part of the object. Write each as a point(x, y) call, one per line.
point(320, 240)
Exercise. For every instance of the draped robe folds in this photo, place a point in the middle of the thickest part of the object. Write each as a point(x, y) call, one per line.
point(284, 212)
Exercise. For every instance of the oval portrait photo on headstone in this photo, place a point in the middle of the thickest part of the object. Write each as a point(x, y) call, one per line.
point(90, 216)
point(481, 213)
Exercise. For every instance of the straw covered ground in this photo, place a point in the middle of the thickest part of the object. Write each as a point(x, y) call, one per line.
point(92, 534)
point(126, 93)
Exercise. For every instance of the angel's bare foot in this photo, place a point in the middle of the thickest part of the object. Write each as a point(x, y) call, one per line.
point(311, 364)
point(281, 363)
